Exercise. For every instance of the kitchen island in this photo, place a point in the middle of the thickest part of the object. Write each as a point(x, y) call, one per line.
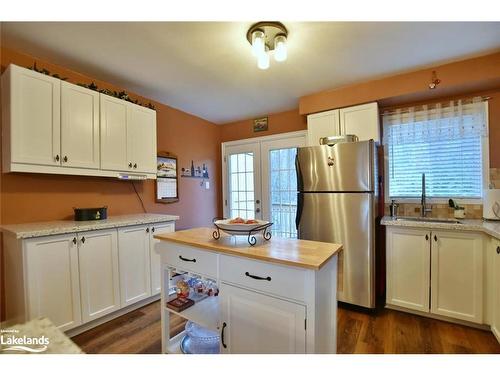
point(278, 296)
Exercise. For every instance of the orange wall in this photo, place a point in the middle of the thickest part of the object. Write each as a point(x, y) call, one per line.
point(480, 73)
point(282, 122)
point(38, 197)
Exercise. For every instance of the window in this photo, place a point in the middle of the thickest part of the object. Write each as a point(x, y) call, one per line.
point(283, 191)
point(242, 185)
point(446, 142)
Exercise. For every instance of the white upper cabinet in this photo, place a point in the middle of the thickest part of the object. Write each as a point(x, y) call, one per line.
point(31, 117)
point(128, 136)
point(361, 120)
point(141, 138)
point(52, 126)
point(320, 125)
point(53, 286)
point(457, 275)
point(79, 126)
point(114, 134)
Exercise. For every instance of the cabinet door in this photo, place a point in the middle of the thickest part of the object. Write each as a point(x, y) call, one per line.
point(256, 323)
point(35, 117)
point(408, 268)
point(324, 124)
point(52, 280)
point(495, 326)
point(114, 134)
point(457, 275)
point(99, 280)
point(133, 249)
point(361, 120)
point(79, 126)
point(158, 228)
point(141, 138)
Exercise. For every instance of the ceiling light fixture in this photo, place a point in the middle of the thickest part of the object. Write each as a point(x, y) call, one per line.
point(265, 38)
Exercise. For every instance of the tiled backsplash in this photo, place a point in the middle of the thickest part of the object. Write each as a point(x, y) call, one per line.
point(472, 211)
point(495, 177)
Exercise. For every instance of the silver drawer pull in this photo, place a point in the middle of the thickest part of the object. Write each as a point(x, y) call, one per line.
point(268, 278)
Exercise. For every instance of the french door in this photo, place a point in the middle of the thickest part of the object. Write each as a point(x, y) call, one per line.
point(260, 182)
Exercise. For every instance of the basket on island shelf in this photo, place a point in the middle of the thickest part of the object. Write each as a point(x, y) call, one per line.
point(242, 228)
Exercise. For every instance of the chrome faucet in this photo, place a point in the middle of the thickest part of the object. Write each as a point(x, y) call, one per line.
point(423, 205)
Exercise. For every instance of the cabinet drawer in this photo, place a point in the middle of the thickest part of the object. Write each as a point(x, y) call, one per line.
point(287, 282)
point(191, 259)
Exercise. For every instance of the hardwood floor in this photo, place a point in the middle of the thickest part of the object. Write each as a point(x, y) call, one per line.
point(382, 331)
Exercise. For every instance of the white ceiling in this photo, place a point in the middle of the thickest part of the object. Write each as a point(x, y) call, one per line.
point(206, 68)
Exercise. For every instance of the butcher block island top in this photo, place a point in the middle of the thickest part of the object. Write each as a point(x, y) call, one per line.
point(287, 251)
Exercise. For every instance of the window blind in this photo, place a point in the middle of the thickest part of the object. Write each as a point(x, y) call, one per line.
point(443, 143)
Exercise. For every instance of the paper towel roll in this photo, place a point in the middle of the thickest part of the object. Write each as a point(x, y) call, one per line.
point(491, 204)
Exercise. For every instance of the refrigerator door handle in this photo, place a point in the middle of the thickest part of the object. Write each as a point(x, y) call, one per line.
point(300, 183)
point(300, 206)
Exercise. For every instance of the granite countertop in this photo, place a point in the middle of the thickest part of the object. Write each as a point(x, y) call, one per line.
point(39, 329)
point(476, 225)
point(287, 251)
point(48, 228)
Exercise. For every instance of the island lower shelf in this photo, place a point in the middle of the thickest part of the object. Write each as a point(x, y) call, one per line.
point(204, 313)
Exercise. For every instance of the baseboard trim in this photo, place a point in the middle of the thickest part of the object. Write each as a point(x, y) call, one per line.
point(483, 327)
point(115, 314)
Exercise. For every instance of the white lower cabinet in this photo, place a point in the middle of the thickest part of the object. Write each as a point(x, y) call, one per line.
point(252, 322)
point(155, 258)
point(53, 287)
point(73, 279)
point(134, 250)
point(457, 275)
point(440, 272)
point(408, 268)
point(99, 279)
point(495, 321)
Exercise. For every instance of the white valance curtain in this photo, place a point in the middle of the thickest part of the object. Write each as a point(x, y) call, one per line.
point(430, 123)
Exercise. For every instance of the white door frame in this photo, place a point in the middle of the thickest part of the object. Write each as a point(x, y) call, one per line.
point(224, 145)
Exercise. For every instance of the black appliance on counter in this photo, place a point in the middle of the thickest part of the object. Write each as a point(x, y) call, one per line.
point(98, 213)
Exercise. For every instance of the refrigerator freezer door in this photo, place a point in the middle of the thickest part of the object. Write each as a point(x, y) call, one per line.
point(345, 218)
point(341, 167)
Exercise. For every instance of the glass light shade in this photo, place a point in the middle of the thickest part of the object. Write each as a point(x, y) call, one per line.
point(258, 45)
point(263, 60)
point(280, 53)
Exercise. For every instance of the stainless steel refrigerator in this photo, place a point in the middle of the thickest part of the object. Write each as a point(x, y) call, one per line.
point(336, 203)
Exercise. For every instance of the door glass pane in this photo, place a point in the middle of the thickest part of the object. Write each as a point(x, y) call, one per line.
point(241, 189)
point(283, 191)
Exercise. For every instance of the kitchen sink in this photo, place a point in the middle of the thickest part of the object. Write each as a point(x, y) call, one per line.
point(429, 220)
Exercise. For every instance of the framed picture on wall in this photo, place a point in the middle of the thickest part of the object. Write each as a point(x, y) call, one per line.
point(167, 178)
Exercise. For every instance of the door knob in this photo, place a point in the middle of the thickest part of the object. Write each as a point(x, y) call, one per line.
point(153, 229)
point(74, 240)
point(257, 201)
point(130, 165)
point(427, 237)
point(65, 159)
point(135, 165)
point(498, 249)
point(257, 210)
point(57, 158)
point(147, 230)
point(435, 238)
point(83, 239)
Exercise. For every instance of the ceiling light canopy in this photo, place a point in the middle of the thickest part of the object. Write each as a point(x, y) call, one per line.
point(265, 38)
